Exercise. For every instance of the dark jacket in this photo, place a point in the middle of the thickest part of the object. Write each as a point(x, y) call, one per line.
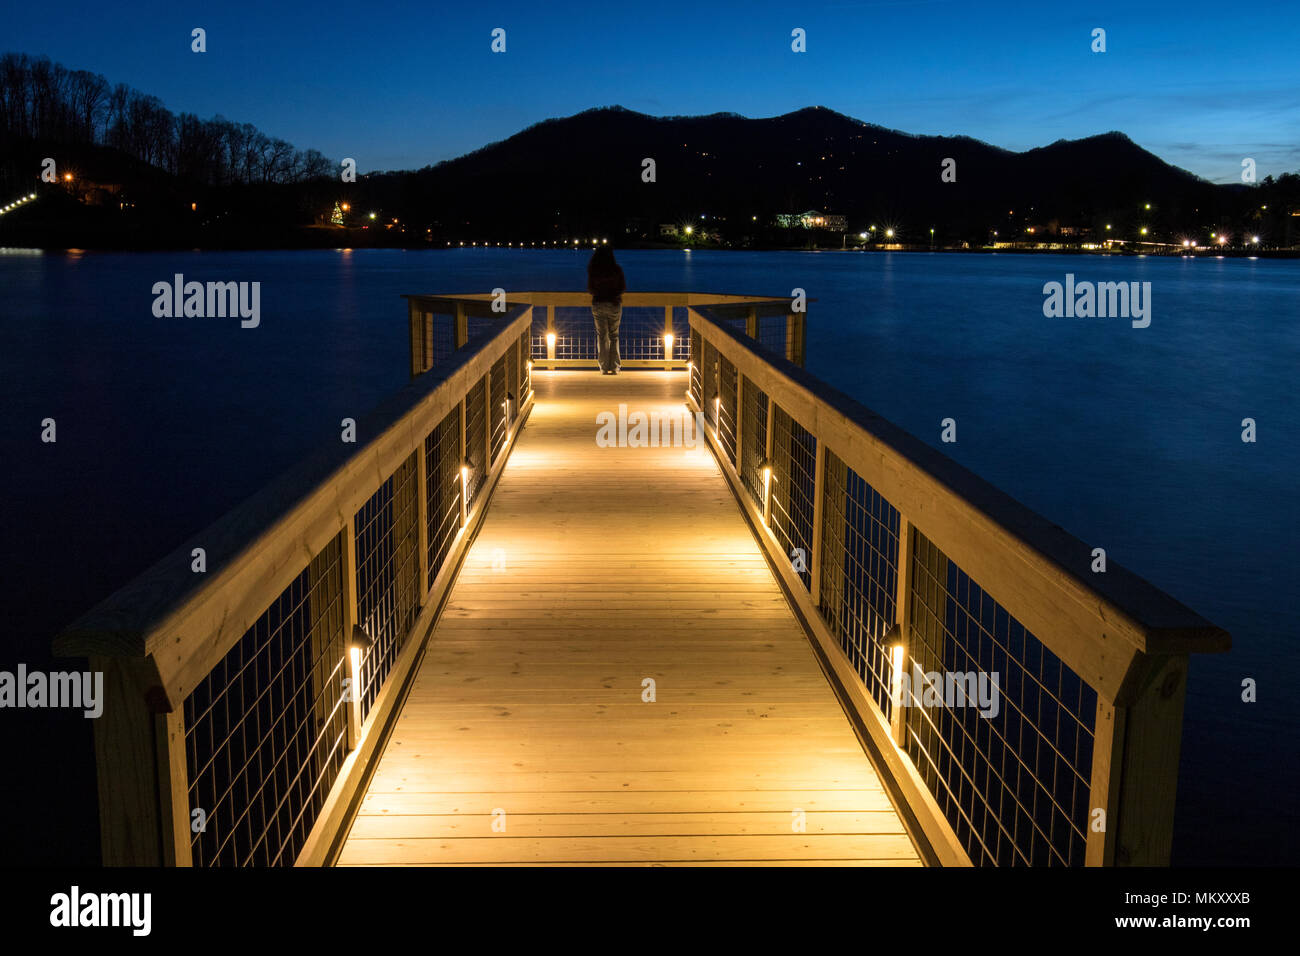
point(606, 285)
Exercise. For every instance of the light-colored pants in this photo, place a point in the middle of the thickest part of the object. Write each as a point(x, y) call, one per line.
point(607, 316)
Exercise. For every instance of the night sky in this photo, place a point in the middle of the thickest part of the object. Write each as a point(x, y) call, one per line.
point(399, 86)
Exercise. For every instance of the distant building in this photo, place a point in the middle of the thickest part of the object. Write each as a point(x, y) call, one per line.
point(812, 219)
point(668, 229)
point(92, 193)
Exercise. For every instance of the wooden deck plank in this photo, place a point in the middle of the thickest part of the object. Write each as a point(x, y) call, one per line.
point(595, 569)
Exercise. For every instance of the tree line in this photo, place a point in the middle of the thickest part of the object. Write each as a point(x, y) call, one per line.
point(46, 102)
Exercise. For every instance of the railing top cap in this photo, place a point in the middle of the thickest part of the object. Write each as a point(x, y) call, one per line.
point(673, 297)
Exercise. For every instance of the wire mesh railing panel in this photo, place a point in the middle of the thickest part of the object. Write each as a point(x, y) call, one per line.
point(1014, 784)
point(794, 474)
point(266, 729)
point(388, 574)
point(859, 574)
point(683, 346)
point(440, 342)
point(753, 438)
point(497, 406)
point(476, 402)
point(442, 458)
point(727, 378)
point(575, 333)
point(537, 332)
point(641, 333)
point(773, 334)
point(513, 392)
point(697, 369)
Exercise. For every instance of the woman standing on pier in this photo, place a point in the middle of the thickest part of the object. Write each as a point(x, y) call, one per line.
point(606, 284)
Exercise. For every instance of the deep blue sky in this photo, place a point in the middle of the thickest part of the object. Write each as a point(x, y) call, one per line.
point(1202, 84)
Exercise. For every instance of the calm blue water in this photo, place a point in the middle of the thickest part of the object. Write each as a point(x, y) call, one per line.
point(1129, 438)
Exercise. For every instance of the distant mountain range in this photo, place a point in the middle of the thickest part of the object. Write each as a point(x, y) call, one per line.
point(583, 174)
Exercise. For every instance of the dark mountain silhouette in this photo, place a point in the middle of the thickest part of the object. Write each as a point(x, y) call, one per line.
point(583, 175)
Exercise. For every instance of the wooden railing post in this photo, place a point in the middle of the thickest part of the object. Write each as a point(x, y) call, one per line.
point(550, 334)
point(460, 332)
point(751, 323)
point(464, 463)
point(416, 326)
point(819, 509)
point(422, 517)
point(486, 385)
point(1135, 767)
point(668, 330)
point(902, 607)
point(740, 418)
point(140, 767)
point(348, 562)
point(767, 463)
point(795, 327)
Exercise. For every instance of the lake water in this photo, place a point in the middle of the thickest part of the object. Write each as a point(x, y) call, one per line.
point(1129, 438)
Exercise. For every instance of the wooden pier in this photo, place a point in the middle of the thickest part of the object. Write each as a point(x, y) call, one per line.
point(595, 569)
point(482, 635)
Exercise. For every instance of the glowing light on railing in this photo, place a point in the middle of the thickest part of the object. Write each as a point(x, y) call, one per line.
point(896, 655)
point(668, 345)
point(550, 340)
point(358, 646)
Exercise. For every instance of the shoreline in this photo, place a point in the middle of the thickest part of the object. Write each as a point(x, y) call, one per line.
point(11, 245)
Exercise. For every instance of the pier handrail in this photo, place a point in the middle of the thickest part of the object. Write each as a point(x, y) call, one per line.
point(246, 671)
point(564, 337)
point(898, 558)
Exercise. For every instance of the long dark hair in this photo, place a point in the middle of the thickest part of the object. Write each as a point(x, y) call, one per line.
point(602, 261)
